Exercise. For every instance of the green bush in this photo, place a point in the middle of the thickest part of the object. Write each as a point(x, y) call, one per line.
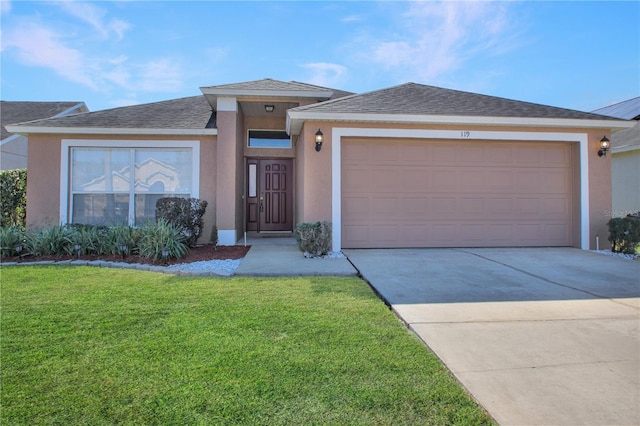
point(162, 235)
point(10, 237)
point(185, 214)
point(52, 241)
point(147, 241)
point(13, 197)
point(314, 239)
point(624, 234)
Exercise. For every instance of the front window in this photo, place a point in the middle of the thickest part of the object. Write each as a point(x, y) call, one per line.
point(112, 186)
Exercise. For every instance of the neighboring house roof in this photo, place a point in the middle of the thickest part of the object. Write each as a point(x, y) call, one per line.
point(12, 112)
point(628, 139)
point(178, 116)
point(629, 110)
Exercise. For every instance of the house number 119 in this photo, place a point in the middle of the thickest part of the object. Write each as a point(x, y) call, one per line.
point(465, 134)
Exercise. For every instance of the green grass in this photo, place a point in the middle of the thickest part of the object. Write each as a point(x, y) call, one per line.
point(93, 346)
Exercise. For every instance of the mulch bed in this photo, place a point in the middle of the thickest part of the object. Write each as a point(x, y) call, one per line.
point(196, 254)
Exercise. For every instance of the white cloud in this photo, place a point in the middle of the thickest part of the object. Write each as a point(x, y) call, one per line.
point(5, 6)
point(95, 16)
point(326, 74)
point(351, 18)
point(37, 45)
point(439, 37)
point(162, 75)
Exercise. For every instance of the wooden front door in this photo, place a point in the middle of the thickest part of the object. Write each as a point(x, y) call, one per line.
point(269, 195)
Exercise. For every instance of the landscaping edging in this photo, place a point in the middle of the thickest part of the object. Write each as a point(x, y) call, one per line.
point(172, 270)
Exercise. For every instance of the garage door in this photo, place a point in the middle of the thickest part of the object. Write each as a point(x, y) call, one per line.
point(413, 193)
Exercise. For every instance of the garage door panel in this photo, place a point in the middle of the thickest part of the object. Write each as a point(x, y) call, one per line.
point(511, 194)
point(356, 206)
point(443, 153)
point(384, 208)
point(387, 179)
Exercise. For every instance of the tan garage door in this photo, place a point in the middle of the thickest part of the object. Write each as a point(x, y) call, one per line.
point(412, 193)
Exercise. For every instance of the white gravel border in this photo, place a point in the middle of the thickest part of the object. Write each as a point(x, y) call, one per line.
point(622, 255)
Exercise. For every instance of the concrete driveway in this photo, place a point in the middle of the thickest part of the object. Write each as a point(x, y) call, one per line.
point(542, 336)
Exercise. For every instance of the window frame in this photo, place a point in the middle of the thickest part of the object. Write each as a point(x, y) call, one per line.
point(269, 131)
point(66, 193)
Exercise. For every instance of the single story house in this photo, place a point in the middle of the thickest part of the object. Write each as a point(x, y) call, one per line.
point(625, 158)
point(13, 147)
point(406, 166)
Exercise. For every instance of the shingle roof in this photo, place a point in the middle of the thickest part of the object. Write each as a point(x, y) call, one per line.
point(12, 112)
point(267, 84)
point(626, 139)
point(629, 110)
point(184, 113)
point(418, 99)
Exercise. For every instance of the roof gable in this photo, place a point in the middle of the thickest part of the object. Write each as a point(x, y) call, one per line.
point(270, 88)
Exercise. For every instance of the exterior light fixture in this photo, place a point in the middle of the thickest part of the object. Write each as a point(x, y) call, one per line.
point(269, 108)
point(319, 139)
point(165, 255)
point(18, 249)
point(604, 146)
point(123, 249)
point(76, 248)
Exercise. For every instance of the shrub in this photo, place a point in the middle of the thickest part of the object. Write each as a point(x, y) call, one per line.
point(13, 197)
point(50, 241)
point(314, 239)
point(162, 235)
point(124, 234)
point(185, 214)
point(10, 237)
point(624, 234)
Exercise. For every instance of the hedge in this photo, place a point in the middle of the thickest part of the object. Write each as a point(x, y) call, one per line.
point(13, 197)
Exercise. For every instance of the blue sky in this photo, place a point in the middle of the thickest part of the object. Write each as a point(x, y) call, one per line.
point(578, 55)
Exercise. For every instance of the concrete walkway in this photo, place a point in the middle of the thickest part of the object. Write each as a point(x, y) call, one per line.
point(282, 258)
point(538, 336)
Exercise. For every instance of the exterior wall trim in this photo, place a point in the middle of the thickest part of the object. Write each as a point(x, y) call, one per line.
point(27, 130)
point(338, 133)
point(295, 120)
point(67, 144)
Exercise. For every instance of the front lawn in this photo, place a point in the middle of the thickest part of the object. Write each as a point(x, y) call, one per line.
point(82, 345)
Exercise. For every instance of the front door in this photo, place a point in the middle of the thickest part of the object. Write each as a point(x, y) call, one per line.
point(269, 195)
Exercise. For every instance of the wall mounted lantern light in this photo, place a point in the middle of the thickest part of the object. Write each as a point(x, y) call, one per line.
point(604, 146)
point(269, 108)
point(319, 139)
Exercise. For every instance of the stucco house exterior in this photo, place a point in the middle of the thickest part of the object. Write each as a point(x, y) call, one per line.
point(625, 158)
point(406, 166)
point(13, 147)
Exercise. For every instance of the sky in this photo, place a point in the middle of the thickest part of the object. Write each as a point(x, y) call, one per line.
point(577, 55)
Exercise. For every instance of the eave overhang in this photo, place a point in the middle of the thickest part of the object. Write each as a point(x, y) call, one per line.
point(213, 93)
point(296, 119)
point(28, 130)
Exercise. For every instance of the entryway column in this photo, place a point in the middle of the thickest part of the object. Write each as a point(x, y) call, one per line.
point(226, 171)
